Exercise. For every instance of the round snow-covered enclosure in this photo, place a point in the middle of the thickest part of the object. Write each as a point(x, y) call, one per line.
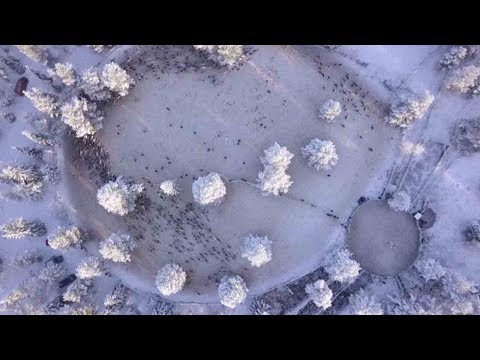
point(383, 241)
point(187, 117)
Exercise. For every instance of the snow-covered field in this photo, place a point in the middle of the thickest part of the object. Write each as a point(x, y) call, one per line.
point(186, 116)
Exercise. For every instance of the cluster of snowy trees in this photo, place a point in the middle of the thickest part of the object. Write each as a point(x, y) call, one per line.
point(257, 250)
point(400, 201)
point(320, 154)
point(273, 179)
point(209, 189)
point(330, 110)
point(224, 55)
point(119, 196)
point(409, 109)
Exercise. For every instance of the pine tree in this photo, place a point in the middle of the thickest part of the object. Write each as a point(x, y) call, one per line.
point(20, 228)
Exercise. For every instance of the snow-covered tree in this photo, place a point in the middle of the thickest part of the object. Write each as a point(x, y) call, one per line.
point(170, 279)
point(456, 285)
point(33, 152)
point(43, 101)
point(472, 232)
point(400, 201)
point(116, 79)
point(363, 303)
point(320, 294)
point(163, 308)
point(257, 250)
point(224, 55)
point(330, 110)
point(320, 154)
point(93, 86)
point(409, 109)
point(100, 48)
point(209, 189)
point(464, 79)
point(28, 257)
point(30, 191)
point(51, 272)
point(76, 291)
point(27, 298)
point(20, 228)
point(66, 238)
point(430, 269)
point(116, 298)
point(260, 307)
point(21, 174)
point(453, 57)
point(81, 309)
point(341, 267)
point(66, 73)
point(90, 267)
point(39, 138)
point(465, 136)
point(117, 248)
point(232, 291)
point(273, 179)
point(119, 196)
point(82, 116)
point(38, 53)
point(169, 187)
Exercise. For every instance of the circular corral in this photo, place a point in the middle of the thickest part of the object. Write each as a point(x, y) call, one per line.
point(383, 241)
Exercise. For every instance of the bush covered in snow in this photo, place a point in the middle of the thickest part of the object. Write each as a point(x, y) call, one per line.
point(117, 248)
point(43, 101)
point(232, 291)
point(320, 154)
point(320, 293)
point(341, 267)
point(76, 291)
point(409, 109)
point(463, 80)
point(119, 196)
point(224, 55)
point(472, 232)
point(38, 53)
point(170, 279)
point(454, 56)
point(66, 238)
point(330, 110)
point(400, 201)
point(51, 272)
point(209, 190)
point(257, 250)
point(430, 269)
point(169, 187)
point(116, 79)
point(273, 179)
point(66, 73)
point(90, 267)
point(20, 228)
point(82, 116)
point(363, 303)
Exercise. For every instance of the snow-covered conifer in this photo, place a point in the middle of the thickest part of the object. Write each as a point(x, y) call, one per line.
point(232, 291)
point(76, 291)
point(330, 110)
point(341, 267)
point(116, 298)
point(82, 116)
point(43, 101)
point(38, 53)
point(260, 307)
point(66, 73)
point(81, 309)
point(430, 269)
point(117, 248)
point(400, 201)
point(51, 272)
point(30, 191)
point(119, 196)
point(116, 79)
point(90, 267)
point(409, 109)
point(453, 57)
point(93, 86)
point(66, 238)
point(169, 187)
point(209, 189)
point(27, 258)
point(21, 174)
point(257, 250)
point(170, 279)
point(363, 303)
point(39, 138)
point(464, 79)
point(20, 228)
point(320, 293)
point(320, 154)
